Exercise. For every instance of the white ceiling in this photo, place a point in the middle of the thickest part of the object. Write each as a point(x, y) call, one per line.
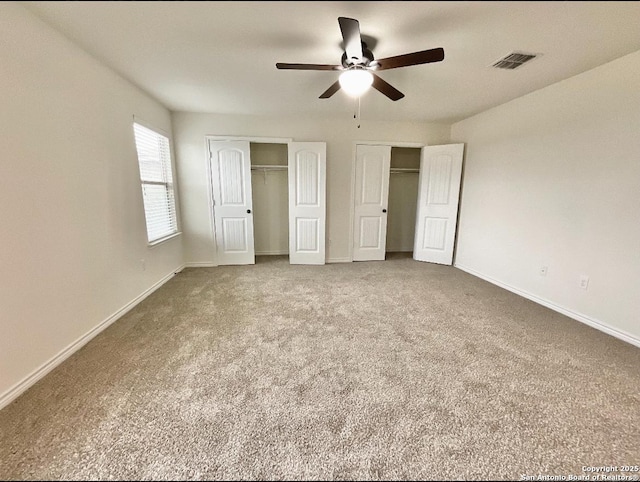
point(220, 56)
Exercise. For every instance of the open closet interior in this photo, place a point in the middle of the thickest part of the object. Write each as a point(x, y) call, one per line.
point(406, 201)
point(269, 185)
point(285, 182)
point(403, 198)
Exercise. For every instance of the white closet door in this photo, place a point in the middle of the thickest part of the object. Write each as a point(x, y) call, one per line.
point(232, 203)
point(371, 197)
point(307, 202)
point(437, 212)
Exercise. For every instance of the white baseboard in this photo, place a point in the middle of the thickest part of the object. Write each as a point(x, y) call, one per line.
point(280, 252)
point(339, 260)
point(597, 324)
point(200, 264)
point(19, 388)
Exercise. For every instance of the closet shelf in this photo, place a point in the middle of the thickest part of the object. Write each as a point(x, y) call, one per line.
point(396, 170)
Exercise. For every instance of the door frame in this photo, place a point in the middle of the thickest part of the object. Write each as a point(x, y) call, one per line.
point(207, 150)
point(418, 145)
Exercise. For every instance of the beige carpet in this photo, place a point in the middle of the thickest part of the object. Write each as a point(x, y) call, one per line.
point(376, 370)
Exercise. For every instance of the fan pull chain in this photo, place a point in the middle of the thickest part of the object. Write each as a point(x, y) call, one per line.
point(356, 113)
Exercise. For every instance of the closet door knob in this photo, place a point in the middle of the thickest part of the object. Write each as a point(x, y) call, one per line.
point(248, 211)
point(384, 210)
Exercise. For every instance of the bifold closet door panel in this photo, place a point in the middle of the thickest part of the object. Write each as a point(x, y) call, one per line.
point(307, 202)
point(438, 197)
point(232, 201)
point(371, 198)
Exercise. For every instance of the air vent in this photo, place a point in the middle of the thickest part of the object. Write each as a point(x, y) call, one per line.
point(513, 60)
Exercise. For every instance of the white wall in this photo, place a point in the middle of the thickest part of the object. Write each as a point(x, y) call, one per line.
point(553, 179)
point(340, 135)
point(73, 230)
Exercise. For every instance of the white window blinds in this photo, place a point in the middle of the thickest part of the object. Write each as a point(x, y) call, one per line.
point(154, 159)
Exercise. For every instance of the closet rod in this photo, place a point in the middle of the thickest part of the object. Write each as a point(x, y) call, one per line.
point(397, 170)
point(268, 167)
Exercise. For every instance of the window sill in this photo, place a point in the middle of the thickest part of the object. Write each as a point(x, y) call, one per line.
point(162, 240)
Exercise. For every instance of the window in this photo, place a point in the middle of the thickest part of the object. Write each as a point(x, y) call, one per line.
point(154, 159)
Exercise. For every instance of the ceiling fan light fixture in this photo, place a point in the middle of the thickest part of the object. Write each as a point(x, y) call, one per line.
point(355, 82)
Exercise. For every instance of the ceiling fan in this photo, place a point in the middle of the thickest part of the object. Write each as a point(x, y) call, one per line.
point(358, 64)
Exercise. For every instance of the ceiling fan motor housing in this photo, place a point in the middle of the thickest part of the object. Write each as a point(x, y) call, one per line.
point(367, 58)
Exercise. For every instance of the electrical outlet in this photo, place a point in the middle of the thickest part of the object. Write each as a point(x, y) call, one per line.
point(543, 270)
point(583, 282)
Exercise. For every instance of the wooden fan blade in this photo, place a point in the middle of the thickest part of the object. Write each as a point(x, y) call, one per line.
point(350, 29)
point(415, 58)
point(281, 65)
point(386, 88)
point(335, 87)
